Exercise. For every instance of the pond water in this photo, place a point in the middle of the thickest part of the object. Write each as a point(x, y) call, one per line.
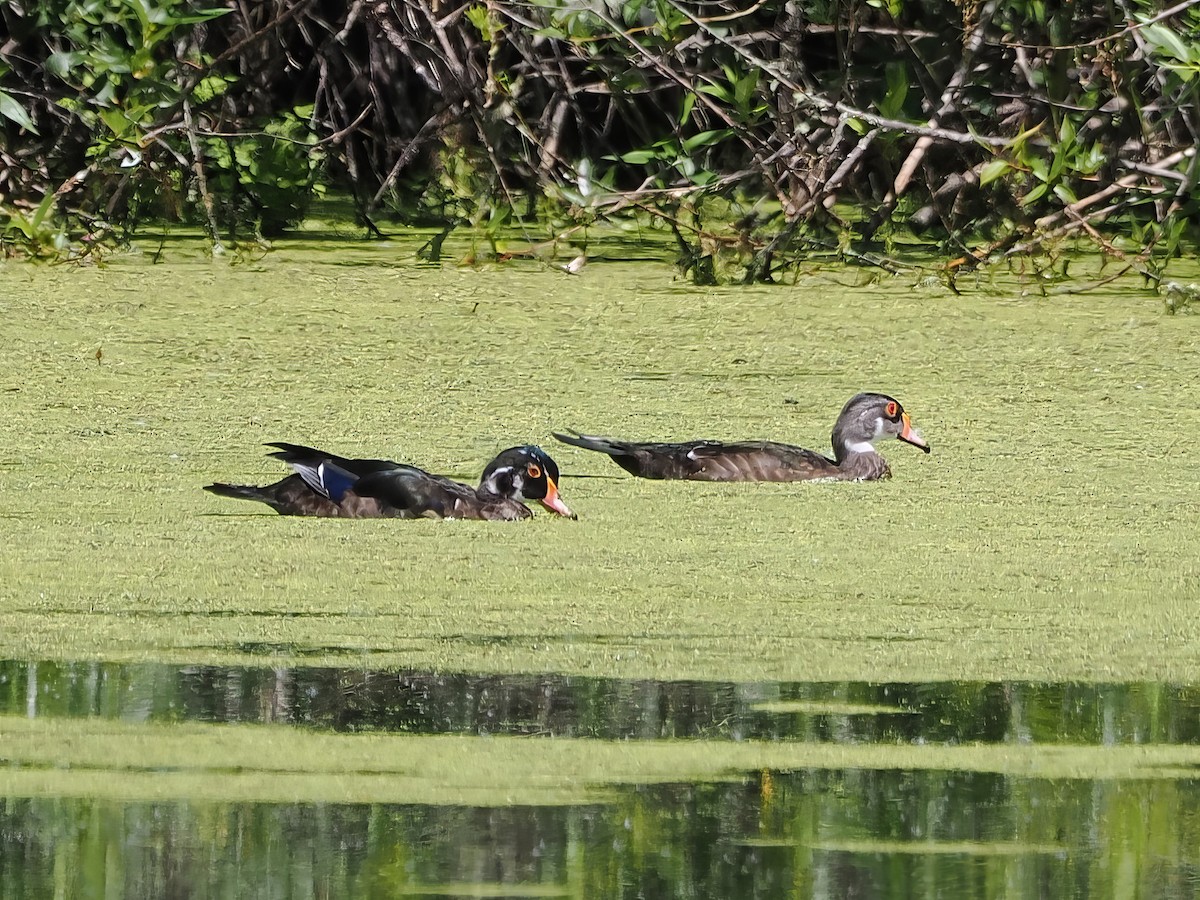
point(978, 679)
point(1000, 818)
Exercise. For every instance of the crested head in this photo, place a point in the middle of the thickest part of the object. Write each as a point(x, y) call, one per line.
point(867, 418)
point(524, 473)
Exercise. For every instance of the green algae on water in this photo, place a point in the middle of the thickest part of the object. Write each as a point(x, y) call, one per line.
point(264, 764)
point(1053, 534)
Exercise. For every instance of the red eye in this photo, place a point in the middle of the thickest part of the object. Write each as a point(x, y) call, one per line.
point(534, 470)
point(891, 409)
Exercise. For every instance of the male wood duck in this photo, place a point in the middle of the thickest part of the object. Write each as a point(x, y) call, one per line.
point(865, 419)
point(328, 485)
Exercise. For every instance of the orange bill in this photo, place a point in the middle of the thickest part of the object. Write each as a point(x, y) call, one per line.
point(910, 435)
point(553, 502)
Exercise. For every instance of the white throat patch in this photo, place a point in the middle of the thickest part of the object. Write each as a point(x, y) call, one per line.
point(869, 445)
point(860, 447)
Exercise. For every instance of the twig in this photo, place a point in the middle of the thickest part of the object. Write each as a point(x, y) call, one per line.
point(1154, 171)
point(851, 160)
point(351, 18)
point(201, 178)
point(1108, 38)
point(338, 136)
point(407, 154)
point(946, 104)
point(290, 13)
point(946, 134)
point(1116, 187)
point(1122, 272)
point(1062, 231)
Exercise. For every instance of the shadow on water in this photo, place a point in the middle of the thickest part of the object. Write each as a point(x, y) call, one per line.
point(896, 827)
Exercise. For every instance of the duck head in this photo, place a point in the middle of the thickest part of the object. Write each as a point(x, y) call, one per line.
point(525, 473)
point(867, 418)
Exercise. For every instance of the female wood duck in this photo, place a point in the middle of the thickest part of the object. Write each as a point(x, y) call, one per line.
point(865, 419)
point(328, 485)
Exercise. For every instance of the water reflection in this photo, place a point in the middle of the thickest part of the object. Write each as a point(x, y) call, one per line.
point(821, 833)
point(360, 700)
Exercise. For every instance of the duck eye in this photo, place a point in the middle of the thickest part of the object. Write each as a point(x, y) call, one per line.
point(534, 470)
point(891, 409)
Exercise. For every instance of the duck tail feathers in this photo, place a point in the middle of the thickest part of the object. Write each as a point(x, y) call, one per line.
point(293, 452)
point(239, 492)
point(593, 442)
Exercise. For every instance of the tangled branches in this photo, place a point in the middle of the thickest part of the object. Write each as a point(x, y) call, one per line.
point(756, 134)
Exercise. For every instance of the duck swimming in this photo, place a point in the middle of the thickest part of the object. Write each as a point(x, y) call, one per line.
point(333, 486)
point(864, 420)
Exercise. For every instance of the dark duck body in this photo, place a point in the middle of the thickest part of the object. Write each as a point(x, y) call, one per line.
point(333, 486)
point(865, 419)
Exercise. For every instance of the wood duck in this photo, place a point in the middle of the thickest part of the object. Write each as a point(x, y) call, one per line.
point(328, 485)
point(865, 419)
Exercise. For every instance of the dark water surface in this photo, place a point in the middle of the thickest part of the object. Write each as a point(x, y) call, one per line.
point(825, 832)
point(359, 700)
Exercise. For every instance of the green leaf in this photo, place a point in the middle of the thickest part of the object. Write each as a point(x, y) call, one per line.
point(686, 166)
point(689, 101)
point(992, 171)
point(61, 62)
point(1092, 159)
point(201, 15)
point(1064, 193)
point(499, 216)
point(1017, 144)
point(897, 89)
point(243, 153)
point(44, 209)
point(638, 157)
point(720, 91)
point(210, 87)
point(744, 88)
point(705, 139)
point(1057, 164)
point(631, 11)
point(1066, 133)
point(1174, 234)
point(142, 11)
point(116, 120)
point(1034, 195)
point(480, 18)
point(18, 221)
point(1167, 40)
point(15, 112)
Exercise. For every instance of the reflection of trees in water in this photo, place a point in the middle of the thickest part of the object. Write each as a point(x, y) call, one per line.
point(825, 833)
point(568, 706)
point(819, 833)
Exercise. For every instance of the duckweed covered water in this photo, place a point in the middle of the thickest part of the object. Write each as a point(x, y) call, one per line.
point(977, 679)
point(1052, 534)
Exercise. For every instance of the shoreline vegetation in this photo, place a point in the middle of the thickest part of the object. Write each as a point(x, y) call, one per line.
point(759, 136)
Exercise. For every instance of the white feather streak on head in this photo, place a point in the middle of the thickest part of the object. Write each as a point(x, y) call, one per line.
point(498, 480)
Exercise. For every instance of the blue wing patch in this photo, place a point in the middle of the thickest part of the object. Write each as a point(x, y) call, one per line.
point(335, 481)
